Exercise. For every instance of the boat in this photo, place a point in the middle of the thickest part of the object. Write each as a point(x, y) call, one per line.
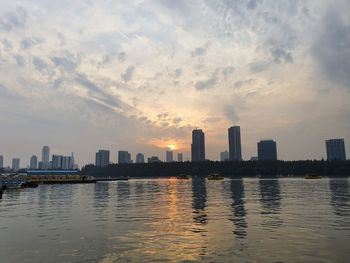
point(30, 184)
point(183, 176)
point(312, 176)
point(215, 176)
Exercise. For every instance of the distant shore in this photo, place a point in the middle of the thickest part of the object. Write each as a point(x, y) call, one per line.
point(234, 169)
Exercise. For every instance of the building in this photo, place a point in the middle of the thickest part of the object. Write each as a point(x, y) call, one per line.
point(234, 143)
point(224, 156)
point(180, 157)
point(169, 157)
point(335, 150)
point(33, 162)
point(140, 158)
point(66, 162)
point(57, 161)
point(124, 157)
point(71, 164)
point(1, 161)
point(102, 158)
point(197, 146)
point(154, 159)
point(267, 150)
point(45, 157)
point(15, 164)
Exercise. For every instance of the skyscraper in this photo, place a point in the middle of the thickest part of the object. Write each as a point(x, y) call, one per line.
point(180, 157)
point(169, 156)
point(267, 150)
point(102, 158)
point(234, 143)
point(140, 158)
point(224, 156)
point(124, 157)
point(15, 164)
point(1, 161)
point(45, 157)
point(57, 161)
point(197, 146)
point(335, 150)
point(33, 162)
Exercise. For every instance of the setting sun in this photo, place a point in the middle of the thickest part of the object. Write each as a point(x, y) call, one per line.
point(171, 146)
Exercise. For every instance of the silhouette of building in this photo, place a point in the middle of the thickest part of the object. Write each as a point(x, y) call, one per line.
point(197, 146)
point(180, 157)
point(57, 161)
point(154, 159)
point(102, 158)
point(33, 162)
point(224, 156)
point(169, 156)
point(45, 157)
point(267, 150)
point(15, 164)
point(124, 157)
point(1, 161)
point(335, 149)
point(140, 158)
point(234, 143)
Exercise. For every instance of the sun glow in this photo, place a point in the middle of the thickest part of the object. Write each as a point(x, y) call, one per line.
point(171, 147)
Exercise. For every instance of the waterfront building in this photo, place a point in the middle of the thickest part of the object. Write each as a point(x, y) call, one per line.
point(169, 156)
point(198, 146)
point(15, 164)
point(33, 162)
point(66, 162)
point(224, 156)
point(1, 161)
point(234, 143)
point(102, 158)
point(180, 157)
point(335, 150)
point(45, 157)
point(140, 158)
point(267, 150)
point(124, 157)
point(154, 159)
point(71, 163)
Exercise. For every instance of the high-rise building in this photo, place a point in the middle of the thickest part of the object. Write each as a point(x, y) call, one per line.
point(154, 159)
point(267, 150)
point(234, 143)
point(71, 163)
point(180, 157)
point(102, 158)
point(197, 146)
point(335, 150)
point(169, 156)
point(66, 162)
point(57, 161)
point(15, 164)
point(33, 162)
point(124, 157)
point(140, 158)
point(45, 157)
point(1, 161)
point(224, 156)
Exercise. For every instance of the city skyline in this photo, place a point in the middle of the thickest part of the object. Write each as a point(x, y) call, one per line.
point(141, 75)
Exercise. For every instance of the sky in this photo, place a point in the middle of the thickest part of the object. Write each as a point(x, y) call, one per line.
point(83, 75)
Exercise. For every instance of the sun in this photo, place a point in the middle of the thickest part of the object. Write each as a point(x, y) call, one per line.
point(171, 146)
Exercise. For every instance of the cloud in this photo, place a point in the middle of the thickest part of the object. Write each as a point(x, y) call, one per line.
point(200, 51)
point(178, 72)
point(331, 49)
point(280, 55)
point(39, 64)
point(230, 113)
point(241, 83)
point(13, 20)
point(208, 83)
point(128, 74)
point(259, 66)
point(67, 62)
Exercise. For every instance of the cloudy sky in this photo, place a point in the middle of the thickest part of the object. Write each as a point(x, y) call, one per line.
point(83, 75)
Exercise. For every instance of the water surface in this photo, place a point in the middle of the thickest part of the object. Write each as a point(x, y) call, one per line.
point(170, 220)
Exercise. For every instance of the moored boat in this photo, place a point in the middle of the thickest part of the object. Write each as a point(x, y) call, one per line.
point(215, 176)
point(312, 176)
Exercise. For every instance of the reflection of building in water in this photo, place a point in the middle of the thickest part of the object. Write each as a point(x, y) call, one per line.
point(123, 191)
point(340, 196)
point(199, 192)
point(101, 197)
point(271, 202)
point(239, 213)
